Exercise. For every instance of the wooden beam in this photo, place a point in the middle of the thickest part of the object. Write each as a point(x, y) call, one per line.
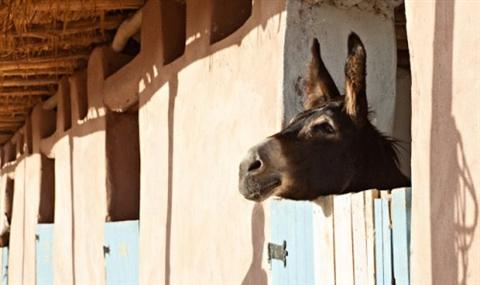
point(10, 125)
point(19, 100)
point(28, 82)
point(79, 6)
point(43, 62)
point(58, 44)
point(22, 92)
point(73, 28)
point(50, 103)
point(14, 110)
point(33, 72)
point(8, 119)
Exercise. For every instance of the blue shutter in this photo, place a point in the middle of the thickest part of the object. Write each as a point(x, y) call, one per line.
point(293, 222)
point(5, 266)
point(121, 252)
point(44, 254)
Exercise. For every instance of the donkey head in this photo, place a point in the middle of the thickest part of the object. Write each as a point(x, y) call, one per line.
point(330, 148)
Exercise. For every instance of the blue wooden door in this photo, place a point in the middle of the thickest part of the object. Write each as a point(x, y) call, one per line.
point(44, 254)
point(401, 219)
point(121, 252)
point(292, 222)
point(5, 265)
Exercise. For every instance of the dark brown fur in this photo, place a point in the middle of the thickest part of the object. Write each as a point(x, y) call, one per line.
point(331, 148)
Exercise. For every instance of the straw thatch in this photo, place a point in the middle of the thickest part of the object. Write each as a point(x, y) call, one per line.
point(42, 41)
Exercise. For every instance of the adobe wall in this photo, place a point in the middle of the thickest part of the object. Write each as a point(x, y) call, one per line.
point(199, 110)
point(443, 41)
point(198, 116)
point(79, 149)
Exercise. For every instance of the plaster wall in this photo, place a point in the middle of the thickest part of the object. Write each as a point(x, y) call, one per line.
point(331, 26)
point(78, 146)
point(15, 265)
point(443, 41)
point(198, 116)
point(24, 170)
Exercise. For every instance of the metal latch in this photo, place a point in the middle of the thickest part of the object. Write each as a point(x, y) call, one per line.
point(278, 252)
point(106, 250)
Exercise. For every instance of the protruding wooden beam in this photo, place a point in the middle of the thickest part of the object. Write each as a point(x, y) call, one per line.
point(51, 103)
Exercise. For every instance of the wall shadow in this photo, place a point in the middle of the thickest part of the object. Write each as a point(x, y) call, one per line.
point(256, 275)
point(72, 200)
point(452, 192)
point(173, 90)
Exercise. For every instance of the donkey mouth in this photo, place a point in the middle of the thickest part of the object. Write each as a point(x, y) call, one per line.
point(259, 191)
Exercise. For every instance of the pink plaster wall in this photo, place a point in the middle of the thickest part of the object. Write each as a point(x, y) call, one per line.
point(443, 40)
point(195, 226)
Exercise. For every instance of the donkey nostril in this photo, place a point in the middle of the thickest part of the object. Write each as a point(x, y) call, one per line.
point(255, 165)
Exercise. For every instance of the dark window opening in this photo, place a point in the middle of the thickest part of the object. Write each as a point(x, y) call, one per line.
point(48, 123)
point(403, 102)
point(7, 214)
point(123, 166)
point(132, 47)
point(174, 15)
point(20, 145)
point(28, 136)
point(67, 109)
point(81, 96)
point(46, 208)
point(228, 16)
point(10, 152)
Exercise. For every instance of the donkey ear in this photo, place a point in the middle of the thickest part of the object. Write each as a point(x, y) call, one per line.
point(356, 104)
point(319, 86)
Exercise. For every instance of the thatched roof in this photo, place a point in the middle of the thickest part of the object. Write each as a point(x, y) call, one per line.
point(43, 40)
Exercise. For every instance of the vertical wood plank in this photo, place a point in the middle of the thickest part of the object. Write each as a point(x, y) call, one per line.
point(44, 251)
point(342, 214)
point(324, 246)
point(387, 243)
point(379, 241)
point(370, 195)
point(303, 229)
point(359, 238)
point(400, 227)
point(5, 255)
point(292, 221)
point(279, 220)
point(121, 259)
point(293, 259)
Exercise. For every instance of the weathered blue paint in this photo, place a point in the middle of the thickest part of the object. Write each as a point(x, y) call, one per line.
point(387, 244)
point(383, 243)
point(121, 255)
point(44, 250)
point(293, 222)
point(401, 207)
point(378, 241)
point(5, 265)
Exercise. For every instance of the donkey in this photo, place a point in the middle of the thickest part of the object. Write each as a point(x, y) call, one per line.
point(331, 147)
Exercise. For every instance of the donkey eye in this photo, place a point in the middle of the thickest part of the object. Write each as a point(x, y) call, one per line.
point(324, 127)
